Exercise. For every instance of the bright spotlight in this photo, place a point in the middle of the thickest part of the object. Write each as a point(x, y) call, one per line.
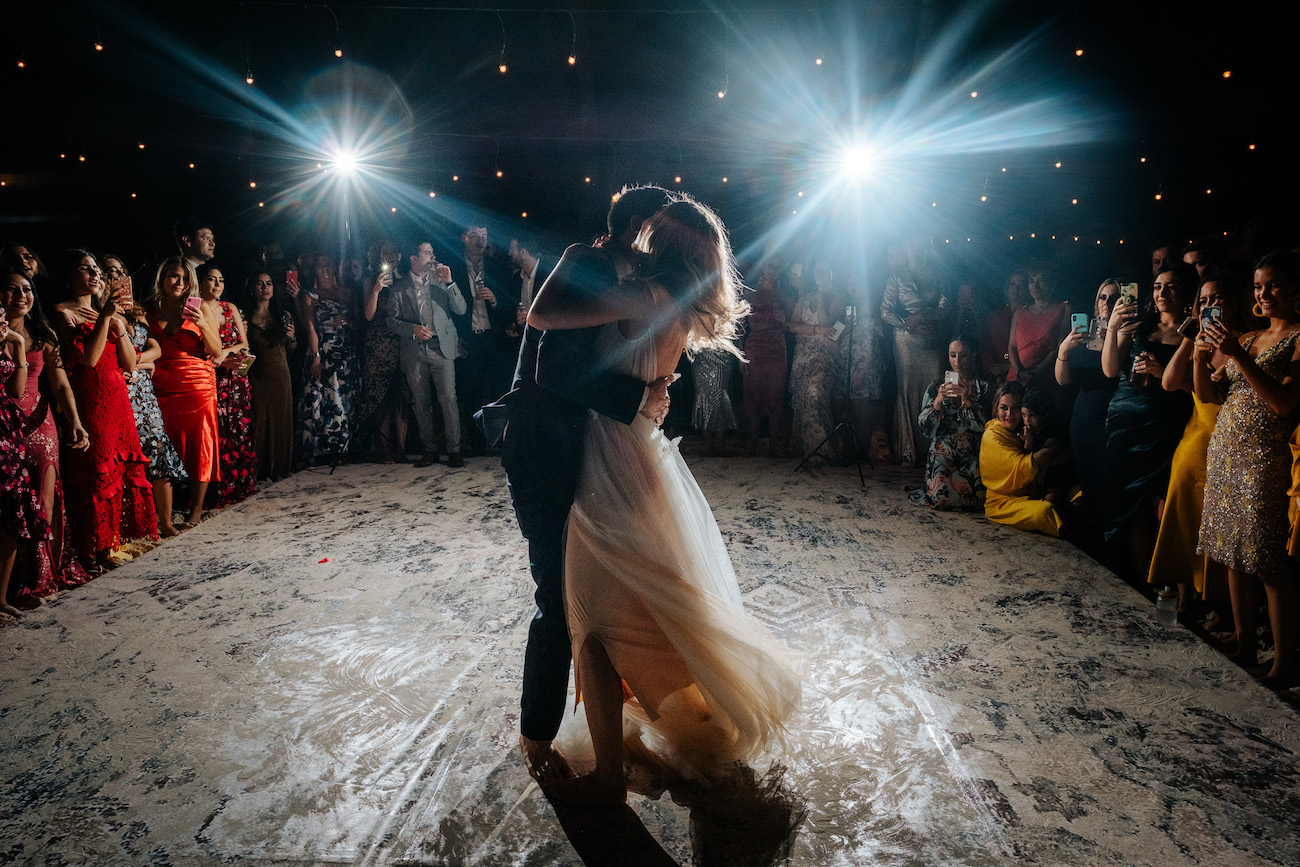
point(345, 162)
point(857, 162)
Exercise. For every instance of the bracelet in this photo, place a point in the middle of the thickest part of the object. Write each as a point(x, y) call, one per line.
point(1060, 358)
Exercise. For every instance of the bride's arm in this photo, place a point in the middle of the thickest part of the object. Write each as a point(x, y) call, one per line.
point(579, 294)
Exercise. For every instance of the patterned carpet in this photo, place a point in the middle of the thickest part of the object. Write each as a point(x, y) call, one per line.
point(327, 674)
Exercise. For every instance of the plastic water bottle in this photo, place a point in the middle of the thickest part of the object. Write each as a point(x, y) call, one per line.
point(1167, 606)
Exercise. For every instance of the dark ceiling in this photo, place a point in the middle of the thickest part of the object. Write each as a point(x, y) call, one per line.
point(641, 104)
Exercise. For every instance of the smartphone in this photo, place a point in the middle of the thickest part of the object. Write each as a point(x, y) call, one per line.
point(950, 377)
point(384, 266)
point(1191, 325)
point(193, 303)
point(291, 276)
point(1210, 314)
point(1079, 323)
point(1128, 293)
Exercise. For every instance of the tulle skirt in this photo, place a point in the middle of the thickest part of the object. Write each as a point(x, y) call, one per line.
point(647, 574)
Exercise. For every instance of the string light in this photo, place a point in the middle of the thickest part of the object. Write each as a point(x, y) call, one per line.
point(432, 194)
point(677, 179)
point(455, 177)
point(974, 93)
point(1159, 196)
point(1227, 73)
point(501, 60)
point(500, 173)
point(1252, 147)
point(1074, 201)
point(724, 179)
point(1058, 164)
point(191, 165)
point(819, 61)
point(81, 158)
point(524, 214)
point(1078, 52)
point(586, 180)
point(338, 43)
point(22, 59)
point(261, 204)
point(1142, 160)
point(252, 185)
point(99, 46)
point(393, 210)
point(141, 145)
point(133, 195)
point(573, 41)
point(722, 94)
point(1208, 192)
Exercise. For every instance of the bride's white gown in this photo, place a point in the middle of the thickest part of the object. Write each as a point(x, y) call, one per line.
point(647, 573)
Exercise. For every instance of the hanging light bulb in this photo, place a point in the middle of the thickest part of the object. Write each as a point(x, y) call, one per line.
point(338, 52)
point(819, 61)
point(99, 46)
point(573, 60)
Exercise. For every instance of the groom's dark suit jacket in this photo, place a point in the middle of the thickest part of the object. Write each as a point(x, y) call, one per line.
point(558, 378)
point(543, 441)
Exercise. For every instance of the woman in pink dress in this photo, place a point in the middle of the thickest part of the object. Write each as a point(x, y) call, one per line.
point(113, 500)
point(183, 377)
point(44, 567)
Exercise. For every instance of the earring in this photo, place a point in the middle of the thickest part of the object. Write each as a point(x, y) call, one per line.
point(1258, 311)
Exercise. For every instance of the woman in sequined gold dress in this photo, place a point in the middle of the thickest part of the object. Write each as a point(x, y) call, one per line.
point(1244, 525)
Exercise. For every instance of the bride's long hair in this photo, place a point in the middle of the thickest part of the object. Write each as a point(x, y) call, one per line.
point(689, 255)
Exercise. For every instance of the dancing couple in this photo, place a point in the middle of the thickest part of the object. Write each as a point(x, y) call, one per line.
point(634, 583)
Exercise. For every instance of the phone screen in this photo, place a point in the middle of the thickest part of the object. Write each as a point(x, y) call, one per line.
point(1079, 322)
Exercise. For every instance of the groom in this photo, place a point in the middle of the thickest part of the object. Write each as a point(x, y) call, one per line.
point(557, 379)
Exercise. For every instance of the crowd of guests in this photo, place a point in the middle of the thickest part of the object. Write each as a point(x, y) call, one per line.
point(136, 399)
point(1157, 429)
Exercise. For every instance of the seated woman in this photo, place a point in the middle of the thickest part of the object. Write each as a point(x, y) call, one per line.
point(1012, 467)
point(952, 418)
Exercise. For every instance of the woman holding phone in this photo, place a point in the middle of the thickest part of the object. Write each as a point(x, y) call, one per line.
point(1143, 422)
point(184, 378)
point(953, 414)
point(1175, 561)
point(1078, 364)
point(112, 500)
point(165, 465)
point(1244, 525)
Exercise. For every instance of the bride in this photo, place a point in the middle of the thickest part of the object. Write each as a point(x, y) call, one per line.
point(658, 632)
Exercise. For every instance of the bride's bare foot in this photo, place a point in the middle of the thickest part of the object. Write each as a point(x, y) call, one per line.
point(545, 764)
point(590, 790)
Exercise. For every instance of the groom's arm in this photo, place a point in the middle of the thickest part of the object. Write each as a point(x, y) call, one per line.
point(567, 365)
point(567, 362)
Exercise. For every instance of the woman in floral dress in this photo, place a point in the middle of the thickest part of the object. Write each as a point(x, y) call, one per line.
point(952, 418)
point(165, 466)
point(234, 416)
point(329, 401)
point(21, 519)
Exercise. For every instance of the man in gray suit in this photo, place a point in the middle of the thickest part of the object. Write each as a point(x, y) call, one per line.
point(420, 310)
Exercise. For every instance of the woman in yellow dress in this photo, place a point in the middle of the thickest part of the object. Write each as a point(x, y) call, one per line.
point(1175, 561)
point(1012, 468)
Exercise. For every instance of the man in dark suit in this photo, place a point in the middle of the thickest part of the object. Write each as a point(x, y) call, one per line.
point(484, 370)
point(558, 378)
point(531, 268)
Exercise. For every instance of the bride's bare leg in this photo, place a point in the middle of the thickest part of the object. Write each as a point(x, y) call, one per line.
point(602, 698)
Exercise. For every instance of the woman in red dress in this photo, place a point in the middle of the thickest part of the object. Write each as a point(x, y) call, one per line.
point(183, 377)
point(234, 403)
point(113, 500)
point(47, 566)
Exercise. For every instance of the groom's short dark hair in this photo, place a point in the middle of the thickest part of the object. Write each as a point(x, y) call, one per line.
point(635, 201)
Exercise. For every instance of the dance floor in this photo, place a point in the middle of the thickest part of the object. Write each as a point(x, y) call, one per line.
point(328, 674)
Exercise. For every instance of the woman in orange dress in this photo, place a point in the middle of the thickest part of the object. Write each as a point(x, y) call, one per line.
point(183, 378)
